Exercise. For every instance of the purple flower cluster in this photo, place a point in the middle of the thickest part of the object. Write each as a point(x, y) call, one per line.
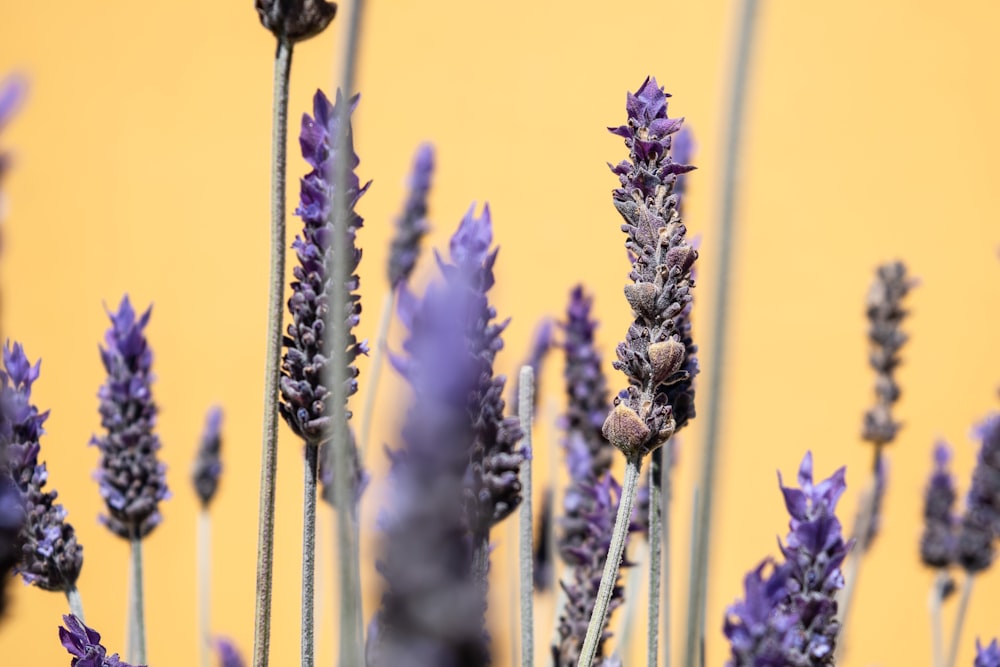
point(655, 354)
point(307, 343)
point(51, 557)
point(11, 521)
point(132, 479)
point(84, 644)
point(229, 655)
point(411, 226)
point(789, 616)
point(980, 523)
point(208, 464)
point(987, 656)
point(938, 542)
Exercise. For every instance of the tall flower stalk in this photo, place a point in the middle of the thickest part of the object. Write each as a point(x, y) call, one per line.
point(51, 557)
point(132, 479)
point(653, 354)
point(938, 542)
point(207, 470)
point(290, 21)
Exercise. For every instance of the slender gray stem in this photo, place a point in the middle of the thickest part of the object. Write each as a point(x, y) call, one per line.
point(934, 608)
point(349, 567)
point(612, 563)
point(665, 497)
point(275, 305)
point(717, 342)
point(204, 564)
point(963, 607)
point(525, 401)
point(308, 644)
point(375, 370)
point(75, 603)
point(633, 583)
point(655, 549)
point(138, 644)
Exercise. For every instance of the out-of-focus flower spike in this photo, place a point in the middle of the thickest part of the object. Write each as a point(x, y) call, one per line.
point(412, 225)
point(980, 523)
point(541, 344)
point(84, 644)
point(208, 464)
point(11, 521)
point(987, 656)
point(543, 570)
point(229, 655)
point(938, 543)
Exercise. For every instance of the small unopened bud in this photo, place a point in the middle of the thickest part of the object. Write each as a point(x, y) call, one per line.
point(642, 298)
point(295, 20)
point(625, 429)
point(682, 257)
point(666, 358)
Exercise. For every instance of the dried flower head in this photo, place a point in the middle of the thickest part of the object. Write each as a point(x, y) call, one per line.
point(295, 20)
point(132, 479)
point(885, 315)
point(51, 557)
point(208, 464)
point(981, 521)
point(987, 656)
point(84, 644)
point(937, 545)
point(644, 418)
point(411, 225)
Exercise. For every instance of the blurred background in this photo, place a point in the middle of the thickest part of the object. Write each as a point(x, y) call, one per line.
point(141, 165)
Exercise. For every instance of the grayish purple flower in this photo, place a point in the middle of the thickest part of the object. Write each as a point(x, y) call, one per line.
point(655, 354)
point(938, 542)
point(84, 644)
point(981, 521)
point(987, 656)
point(11, 521)
point(208, 464)
point(131, 477)
point(51, 557)
point(229, 655)
point(304, 398)
point(411, 225)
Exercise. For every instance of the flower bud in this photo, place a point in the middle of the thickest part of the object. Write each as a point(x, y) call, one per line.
point(642, 298)
point(625, 429)
point(295, 20)
point(666, 358)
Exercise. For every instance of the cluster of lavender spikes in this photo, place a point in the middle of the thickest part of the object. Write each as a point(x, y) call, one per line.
point(654, 353)
point(788, 617)
point(51, 557)
point(132, 479)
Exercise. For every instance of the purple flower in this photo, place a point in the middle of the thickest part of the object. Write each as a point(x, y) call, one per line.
point(988, 656)
point(981, 521)
point(681, 151)
point(51, 557)
point(305, 398)
point(11, 521)
point(761, 629)
point(84, 644)
point(657, 353)
point(541, 344)
point(938, 543)
point(411, 225)
point(229, 655)
point(12, 92)
point(208, 464)
point(132, 479)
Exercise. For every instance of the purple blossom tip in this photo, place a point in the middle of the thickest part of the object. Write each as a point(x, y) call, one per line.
point(208, 463)
point(131, 477)
point(987, 656)
point(412, 225)
point(981, 521)
point(470, 245)
point(84, 644)
point(13, 90)
point(229, 655)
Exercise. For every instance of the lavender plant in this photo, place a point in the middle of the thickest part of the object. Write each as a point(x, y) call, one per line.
point(51, 557)
point(987, 656)
point(131, 478)
point(84, 644)
point(205, 479)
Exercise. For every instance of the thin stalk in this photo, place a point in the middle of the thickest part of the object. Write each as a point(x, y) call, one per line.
point(963, 607)
point(934, 608)
point(75, 603)
point(665, 497)
point(351, 651)
point(275, 304)
point(632, 585)
point(308, 645)
point(655, 549)
point(137, 656)
point(718, 340)
point(612, 563)
point(375, 370)
point(526, 389)
point(204, 564)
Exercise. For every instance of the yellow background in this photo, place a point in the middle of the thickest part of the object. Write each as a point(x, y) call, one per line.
point(142, 166)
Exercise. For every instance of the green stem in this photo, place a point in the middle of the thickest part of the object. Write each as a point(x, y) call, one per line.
point(204, 563)
point(612, 563)
point(698, 590)
point(75, 603)
point(309, 555)
point(655, 549)
point(526, 385)
point(276, 291)
point(375, 370)
point(137, 613)
point(963, 607)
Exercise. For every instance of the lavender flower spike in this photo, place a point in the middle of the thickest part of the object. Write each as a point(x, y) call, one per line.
point(987, 656)
point(51, 558)
point(229, 655)
point(84, 644)
point(761, 629)
point(654, 354)
point(11, 521)
point(208, 464)
point(937, 545)
point(307, 345)
point(981, 521)
point(132, 479)
point(12, 90)
point(411, 226)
